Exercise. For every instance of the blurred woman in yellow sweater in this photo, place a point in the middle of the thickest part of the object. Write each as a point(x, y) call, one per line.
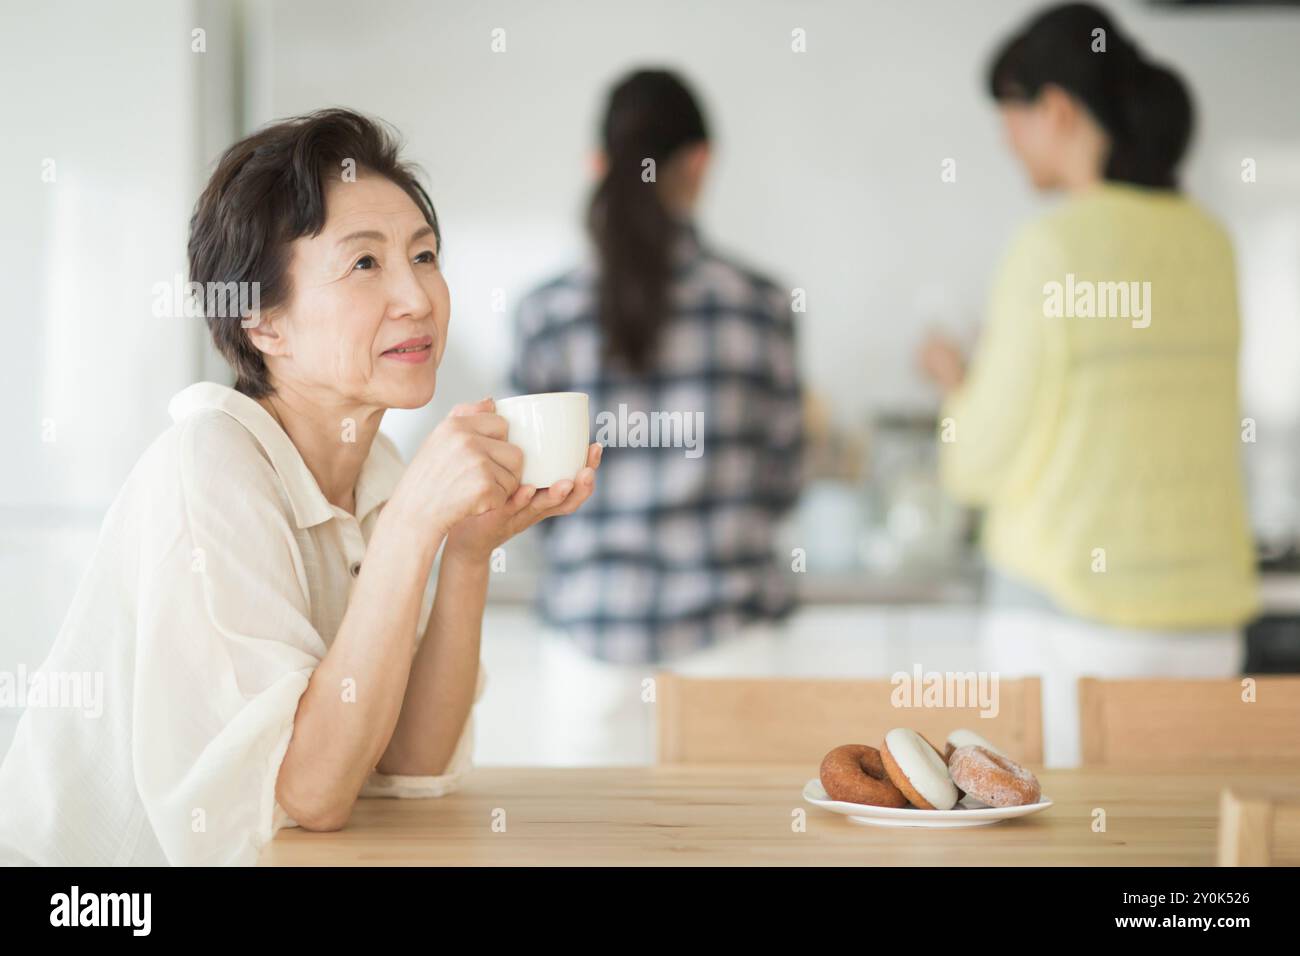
point(1098, 424)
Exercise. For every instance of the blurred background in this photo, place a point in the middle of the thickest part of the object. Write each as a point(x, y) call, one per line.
point(826, 175)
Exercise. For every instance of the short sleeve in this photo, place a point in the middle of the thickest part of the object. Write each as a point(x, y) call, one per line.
point(431, 785)
point(224, 651)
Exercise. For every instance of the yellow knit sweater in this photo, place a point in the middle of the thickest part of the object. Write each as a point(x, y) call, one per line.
point(1099, 425)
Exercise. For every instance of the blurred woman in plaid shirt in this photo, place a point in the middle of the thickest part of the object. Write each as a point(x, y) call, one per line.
point(671, 562)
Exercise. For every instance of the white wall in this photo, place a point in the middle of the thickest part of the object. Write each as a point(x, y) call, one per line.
point(108, 94)
point(108, 99)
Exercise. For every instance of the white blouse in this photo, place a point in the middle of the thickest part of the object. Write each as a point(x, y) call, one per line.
point(218, 584)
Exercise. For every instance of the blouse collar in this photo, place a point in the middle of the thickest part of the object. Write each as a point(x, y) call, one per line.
point(379, 473)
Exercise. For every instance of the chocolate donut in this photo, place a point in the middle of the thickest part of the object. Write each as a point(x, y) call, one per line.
point(992, 778)
point(855, 773)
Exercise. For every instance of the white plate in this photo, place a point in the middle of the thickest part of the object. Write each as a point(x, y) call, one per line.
point(968, 813)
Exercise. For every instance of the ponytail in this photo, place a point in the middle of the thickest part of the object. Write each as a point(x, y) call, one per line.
point(650, 115)
point(1155, 127)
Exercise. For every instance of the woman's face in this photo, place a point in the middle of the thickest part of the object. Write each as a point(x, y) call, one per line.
point(1031, 134)
point(369, 283)
point(1056, 139)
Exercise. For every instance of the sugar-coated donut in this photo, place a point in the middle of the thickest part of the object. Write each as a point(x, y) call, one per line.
point(855, 773)
point(992, 778)
point(917, 769)
point(967, 738)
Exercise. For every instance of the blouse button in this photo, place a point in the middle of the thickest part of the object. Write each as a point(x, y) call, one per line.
point(356, 568)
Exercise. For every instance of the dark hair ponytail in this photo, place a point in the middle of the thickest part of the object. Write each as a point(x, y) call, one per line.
point(650, 115)
point(1144, 107)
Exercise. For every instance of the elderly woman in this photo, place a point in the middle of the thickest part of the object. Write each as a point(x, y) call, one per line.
point(256, 602)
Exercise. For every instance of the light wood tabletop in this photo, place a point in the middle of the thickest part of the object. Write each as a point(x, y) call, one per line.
point(745, 815)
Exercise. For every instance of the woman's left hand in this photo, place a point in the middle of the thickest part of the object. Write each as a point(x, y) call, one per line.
point(478, 536)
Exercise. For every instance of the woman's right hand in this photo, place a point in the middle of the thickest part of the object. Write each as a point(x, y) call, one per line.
point(464, 468)
point(941, 360)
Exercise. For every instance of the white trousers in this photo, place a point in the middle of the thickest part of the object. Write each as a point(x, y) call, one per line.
point(596, 713)
point(1018, 642)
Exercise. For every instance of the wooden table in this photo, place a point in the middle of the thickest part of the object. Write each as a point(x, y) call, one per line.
point(746, 815)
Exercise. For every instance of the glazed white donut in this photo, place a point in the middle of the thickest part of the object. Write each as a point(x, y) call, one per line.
point(918, 770)
point(968, 738)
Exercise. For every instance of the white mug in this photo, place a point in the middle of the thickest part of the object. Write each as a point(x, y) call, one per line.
point(552, 429)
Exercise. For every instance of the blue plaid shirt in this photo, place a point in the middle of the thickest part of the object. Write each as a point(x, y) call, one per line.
point(675, 547)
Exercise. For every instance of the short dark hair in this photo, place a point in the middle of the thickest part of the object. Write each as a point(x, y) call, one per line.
point(269, 189)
